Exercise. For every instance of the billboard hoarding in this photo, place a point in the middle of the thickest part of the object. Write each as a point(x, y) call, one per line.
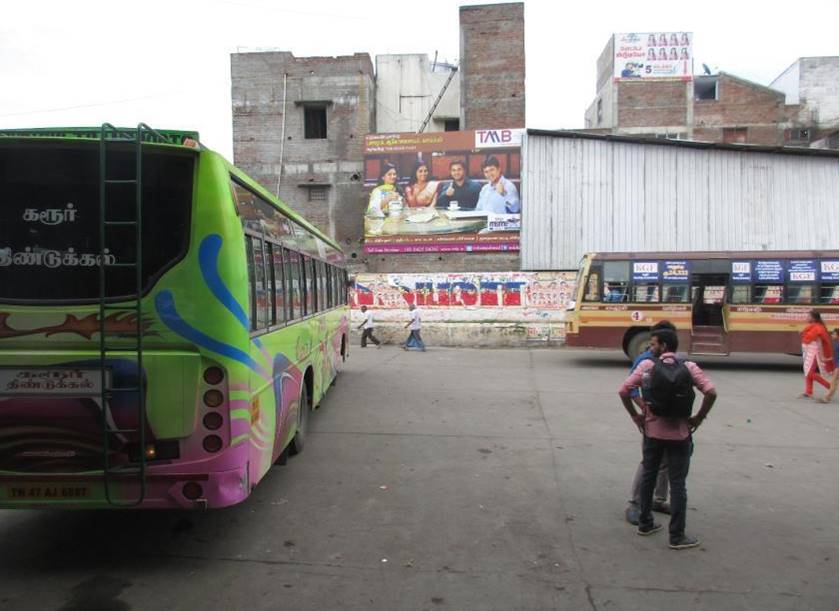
point(653, 55)
point(443, 192)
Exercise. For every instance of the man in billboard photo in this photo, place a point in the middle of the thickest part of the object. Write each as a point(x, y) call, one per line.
point(460, 189)
point(498, 195)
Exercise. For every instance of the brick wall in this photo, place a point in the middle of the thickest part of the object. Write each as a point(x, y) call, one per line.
point(492, 66)
point(652, 103)
point(743, 104)
point(347, 86)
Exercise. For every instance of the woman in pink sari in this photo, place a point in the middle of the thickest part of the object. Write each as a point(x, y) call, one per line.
point(817, 351)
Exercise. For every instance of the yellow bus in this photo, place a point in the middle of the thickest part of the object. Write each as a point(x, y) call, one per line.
point(720, 302)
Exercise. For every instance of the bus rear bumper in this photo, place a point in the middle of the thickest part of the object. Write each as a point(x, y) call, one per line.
point(169, 491)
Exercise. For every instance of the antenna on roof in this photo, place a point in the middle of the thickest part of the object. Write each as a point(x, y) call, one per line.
point(706, 68)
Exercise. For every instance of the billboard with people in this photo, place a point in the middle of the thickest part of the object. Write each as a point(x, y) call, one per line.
point(654, 55)
point(443, 191)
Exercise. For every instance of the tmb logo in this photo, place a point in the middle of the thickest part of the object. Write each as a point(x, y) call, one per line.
point(485, 138)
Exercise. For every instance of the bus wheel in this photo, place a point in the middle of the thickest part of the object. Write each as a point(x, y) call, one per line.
point(302, 423)
point(639, 342)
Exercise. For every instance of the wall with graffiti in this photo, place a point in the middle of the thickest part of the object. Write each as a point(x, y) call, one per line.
point(489, 309)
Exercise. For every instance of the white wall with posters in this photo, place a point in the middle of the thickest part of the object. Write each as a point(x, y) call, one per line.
point(653, 55)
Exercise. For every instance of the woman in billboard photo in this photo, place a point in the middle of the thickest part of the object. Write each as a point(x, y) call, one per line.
point(385, 192)
point(421, 191)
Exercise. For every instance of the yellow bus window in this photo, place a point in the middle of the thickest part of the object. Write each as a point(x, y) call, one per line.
point(645, 292)
point(829, 293)
point(800, 294)
point(741, 293)
point(769, 294)
point(615, 292)
point(591, 287)
point(676, 293)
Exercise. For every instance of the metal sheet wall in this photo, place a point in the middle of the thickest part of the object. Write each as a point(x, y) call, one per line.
point(582, 195)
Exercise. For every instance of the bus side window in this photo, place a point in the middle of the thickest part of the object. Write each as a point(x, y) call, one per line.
point(279, 283)
point(645, 292)
point(768, 294)
point(829, 293)
point(345, 287)
point(292, 266)
point(251, 281)
point(741, 293)
point(322, 292)
point(800, 293)
point(615, 281)
point(592, 286)
point(260, 284)
point(676, 293)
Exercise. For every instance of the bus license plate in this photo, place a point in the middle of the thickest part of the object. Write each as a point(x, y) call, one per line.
point(46, 492)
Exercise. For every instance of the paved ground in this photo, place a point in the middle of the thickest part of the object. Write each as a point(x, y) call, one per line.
point(475, 479)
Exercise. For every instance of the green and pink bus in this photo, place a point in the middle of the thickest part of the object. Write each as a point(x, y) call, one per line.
point(166, 324)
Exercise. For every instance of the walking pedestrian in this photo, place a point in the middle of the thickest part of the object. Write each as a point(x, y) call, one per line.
point(414, 340)
point(367, 324)
point(667, 426)
point(835, 382)
point(817, 352)
point(633, 508)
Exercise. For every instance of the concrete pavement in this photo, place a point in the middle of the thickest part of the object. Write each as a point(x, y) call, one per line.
point(475, 479)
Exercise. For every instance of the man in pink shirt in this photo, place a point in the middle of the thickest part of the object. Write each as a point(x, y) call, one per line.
point(670, 435)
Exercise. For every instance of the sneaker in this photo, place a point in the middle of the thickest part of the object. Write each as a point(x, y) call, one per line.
point(647, 529)
point(378, 346)
point(633, 514)
point(804, 395)
point(683, 542)
point(661, 507)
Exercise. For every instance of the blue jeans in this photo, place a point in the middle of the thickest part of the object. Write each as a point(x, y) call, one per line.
point(678, 462)
point(415, 341)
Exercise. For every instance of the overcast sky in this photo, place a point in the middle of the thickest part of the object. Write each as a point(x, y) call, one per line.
point(167, 63)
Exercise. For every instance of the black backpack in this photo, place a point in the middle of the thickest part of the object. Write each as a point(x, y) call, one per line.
point(668, 389)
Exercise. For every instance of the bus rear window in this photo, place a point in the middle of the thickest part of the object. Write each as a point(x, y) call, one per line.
point(49, 220)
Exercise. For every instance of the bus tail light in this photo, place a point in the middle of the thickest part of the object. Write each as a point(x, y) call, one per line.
point(213, 398)
point(213, 375)
point(213, 421)
point(212, 443)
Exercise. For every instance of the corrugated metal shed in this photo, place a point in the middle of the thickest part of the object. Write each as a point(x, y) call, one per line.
point(583, 192)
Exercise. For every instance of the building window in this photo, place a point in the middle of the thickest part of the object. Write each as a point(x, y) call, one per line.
point(735, 135)
point(798, 135)
point(451, 125)
point(314, 122)
point(318, 194)
point(599, 110)
point(705, 89)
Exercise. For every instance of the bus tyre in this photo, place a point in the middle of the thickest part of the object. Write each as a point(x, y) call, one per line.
point(302, 422)
point(639, 342)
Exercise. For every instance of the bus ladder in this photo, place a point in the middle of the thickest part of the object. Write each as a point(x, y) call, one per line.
point(109, 137)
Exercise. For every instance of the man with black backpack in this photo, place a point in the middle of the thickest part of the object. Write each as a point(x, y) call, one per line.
point(667, 424)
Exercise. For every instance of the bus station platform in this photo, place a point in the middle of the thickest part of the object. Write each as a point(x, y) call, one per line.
point(476, 479)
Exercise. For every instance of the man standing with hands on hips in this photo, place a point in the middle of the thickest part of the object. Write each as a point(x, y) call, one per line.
point(667, 426)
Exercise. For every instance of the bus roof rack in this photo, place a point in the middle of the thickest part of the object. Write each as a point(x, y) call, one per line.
point(160, 136)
